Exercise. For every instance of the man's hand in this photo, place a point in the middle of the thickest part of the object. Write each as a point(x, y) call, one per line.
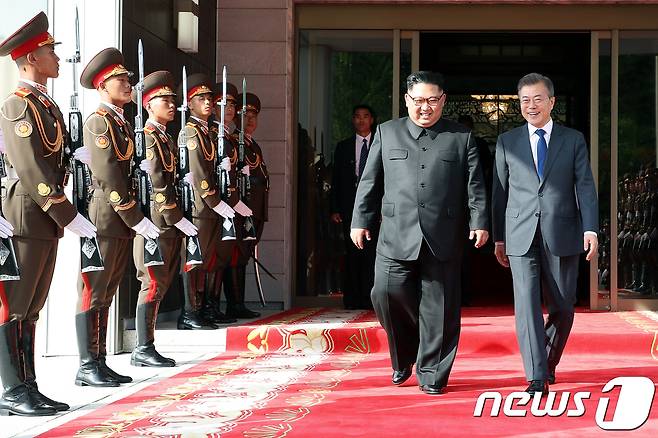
point(481, 237)
point(358, 235)
point(500, 254)
point(335, 218)
point(591, 243)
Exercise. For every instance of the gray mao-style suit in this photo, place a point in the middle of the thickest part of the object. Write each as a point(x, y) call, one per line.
point(542, 223)
point(426, 184)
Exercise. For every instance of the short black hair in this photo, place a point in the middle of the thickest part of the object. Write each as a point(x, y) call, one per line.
point(365, 107)
point(536, 78)
point(425, 77)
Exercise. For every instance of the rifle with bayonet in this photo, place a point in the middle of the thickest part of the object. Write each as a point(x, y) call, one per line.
point(228, 228)
point(142, 180)
point(90, 256)
point(185, 190)
point(244, 185)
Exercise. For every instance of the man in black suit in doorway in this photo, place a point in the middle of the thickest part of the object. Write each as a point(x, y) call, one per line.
point(424, 172)
point(349, 161)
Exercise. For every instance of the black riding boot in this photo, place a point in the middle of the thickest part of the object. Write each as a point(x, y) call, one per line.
point(90, 372)
point(234, 288)
point(17, 398)
point(145, 354)
point(28, 329)
point(103, 316)
point(211, 310)
point(190, 318)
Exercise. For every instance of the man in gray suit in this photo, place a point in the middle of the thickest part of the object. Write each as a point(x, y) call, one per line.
point(423, 174)
point(545, 214)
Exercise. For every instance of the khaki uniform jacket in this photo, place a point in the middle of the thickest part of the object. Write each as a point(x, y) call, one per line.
point(113, 208)
point(164, 208)
point(35, 136)
point(202, 154)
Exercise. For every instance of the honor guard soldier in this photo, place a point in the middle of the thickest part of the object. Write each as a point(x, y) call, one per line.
point(228, 177)
point(257, 200)
point(113, 209)
point(159, 101)
point(35, 204)
point(209, 210)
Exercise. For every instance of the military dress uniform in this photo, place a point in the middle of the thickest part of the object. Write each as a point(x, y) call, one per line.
point(257, 200)
point(155, 280)
point(225, 245)
point(114, 211)
point(201, 153)
point(35, 204)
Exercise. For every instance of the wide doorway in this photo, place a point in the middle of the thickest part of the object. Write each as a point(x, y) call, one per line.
point(338, 69)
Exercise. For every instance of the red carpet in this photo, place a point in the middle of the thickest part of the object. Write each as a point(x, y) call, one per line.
point(318, 373)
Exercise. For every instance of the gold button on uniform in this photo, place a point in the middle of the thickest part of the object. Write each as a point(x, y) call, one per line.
point(43, 189)
point(160, 198)
point(191, 145)
point(114, 196)
point(149, 154)
point(204, 184)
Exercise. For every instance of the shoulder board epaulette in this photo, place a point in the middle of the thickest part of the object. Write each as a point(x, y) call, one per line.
point(22, 92)
point(101, 112)
point(191, 130)
point(148, 129)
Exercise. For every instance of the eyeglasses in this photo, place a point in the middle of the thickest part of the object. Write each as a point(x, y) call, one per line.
point(431, 101)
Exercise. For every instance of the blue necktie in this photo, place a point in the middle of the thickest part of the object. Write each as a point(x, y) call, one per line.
point(542, 151)
point(363, 157)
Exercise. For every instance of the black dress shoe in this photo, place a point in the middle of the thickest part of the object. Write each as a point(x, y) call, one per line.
point(551, 378)
point(194, 321)
point(91, 374)
point(432, 389)
point(47, 402)
point(21, 401)
point(399, 377)
point(240, 311)
point(537, 386)
point(148, 356)
point(116, 376)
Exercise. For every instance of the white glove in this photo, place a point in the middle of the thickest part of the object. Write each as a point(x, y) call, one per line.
point(83, 155)
point(146, 228)
point(81, 226)
point(224, 210)
point(245, 170)
point(225, 164)
point(189, 178)
point(6, 229)
point(146, 166)
point(187, 227)
point(242, 209)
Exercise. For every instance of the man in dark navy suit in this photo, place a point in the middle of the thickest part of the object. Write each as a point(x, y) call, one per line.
point(349, 161)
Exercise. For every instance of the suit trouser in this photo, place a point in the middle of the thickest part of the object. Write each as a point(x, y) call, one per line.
point(96, 289)
point(537, 273)
point(417, 302)
point(155, 280)
point(23, 299)
point(359, 270)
